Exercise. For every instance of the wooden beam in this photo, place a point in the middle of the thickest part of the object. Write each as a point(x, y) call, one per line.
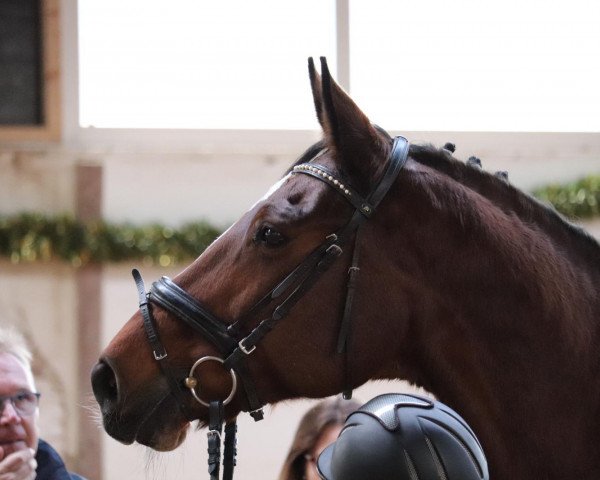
point(89, 316)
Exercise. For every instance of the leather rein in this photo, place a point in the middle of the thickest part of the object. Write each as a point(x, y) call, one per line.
point(228, 339)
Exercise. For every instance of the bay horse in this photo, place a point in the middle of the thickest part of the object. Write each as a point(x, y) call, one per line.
point(466, 286)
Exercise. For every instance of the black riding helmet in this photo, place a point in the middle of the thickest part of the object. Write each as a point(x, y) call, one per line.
point(404, 437)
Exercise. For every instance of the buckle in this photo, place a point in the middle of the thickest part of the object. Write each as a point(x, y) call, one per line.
point(159, 356)
point(243, 348)
point(213, 433)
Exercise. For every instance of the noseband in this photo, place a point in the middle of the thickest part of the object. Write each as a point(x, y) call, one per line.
point(228, 339)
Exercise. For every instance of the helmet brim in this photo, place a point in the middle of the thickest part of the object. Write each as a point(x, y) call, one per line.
point(324, 463)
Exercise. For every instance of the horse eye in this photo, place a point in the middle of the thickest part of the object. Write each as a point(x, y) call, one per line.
point(269, 236)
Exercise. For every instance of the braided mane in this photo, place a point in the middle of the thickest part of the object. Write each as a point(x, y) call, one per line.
point(511, 200)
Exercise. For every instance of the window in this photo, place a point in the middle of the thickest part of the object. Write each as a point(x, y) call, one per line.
point(431, 65)
point(197, 64)
point(29, 70)
point(515, 65)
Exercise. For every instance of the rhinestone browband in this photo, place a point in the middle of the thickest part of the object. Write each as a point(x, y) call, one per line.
point(322, 173)
point(305, 167)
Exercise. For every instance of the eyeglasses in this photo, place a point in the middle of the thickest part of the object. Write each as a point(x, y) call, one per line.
point(24, 403)
point(312, 460)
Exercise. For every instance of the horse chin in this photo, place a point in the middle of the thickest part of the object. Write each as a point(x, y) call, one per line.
point(164, 429)
point(165, 439)
point(153, 419)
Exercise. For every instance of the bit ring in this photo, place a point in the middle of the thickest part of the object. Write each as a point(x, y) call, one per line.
point(191, 382)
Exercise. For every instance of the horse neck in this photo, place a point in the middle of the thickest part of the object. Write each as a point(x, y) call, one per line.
point(581, 247)
point(502, 324)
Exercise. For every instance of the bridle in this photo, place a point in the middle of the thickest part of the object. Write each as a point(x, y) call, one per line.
point(227, 338)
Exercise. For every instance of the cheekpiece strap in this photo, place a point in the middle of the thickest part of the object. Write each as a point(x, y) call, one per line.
point(158, 350)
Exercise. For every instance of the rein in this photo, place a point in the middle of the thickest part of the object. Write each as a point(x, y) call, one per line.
point(227, 338)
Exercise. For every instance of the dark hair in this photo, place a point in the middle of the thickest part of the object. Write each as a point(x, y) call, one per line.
point(332, 411)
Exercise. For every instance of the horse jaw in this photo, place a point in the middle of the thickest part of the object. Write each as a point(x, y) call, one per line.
point(162, 428)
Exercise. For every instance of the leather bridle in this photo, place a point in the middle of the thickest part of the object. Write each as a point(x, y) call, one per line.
point(228, 339)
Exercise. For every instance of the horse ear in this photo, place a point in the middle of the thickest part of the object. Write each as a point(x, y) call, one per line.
point(357, 146)
point(317, 92)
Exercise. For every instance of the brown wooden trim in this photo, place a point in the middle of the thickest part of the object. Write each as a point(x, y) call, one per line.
point(51, 130)
point(88, 198)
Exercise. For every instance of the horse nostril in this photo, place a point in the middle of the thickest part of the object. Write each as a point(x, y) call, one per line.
point(104, 384)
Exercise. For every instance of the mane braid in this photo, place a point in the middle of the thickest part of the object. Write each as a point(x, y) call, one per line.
point(508, 198)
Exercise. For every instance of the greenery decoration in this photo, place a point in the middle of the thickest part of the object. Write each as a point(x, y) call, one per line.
point(30, 237)
point(576, 200)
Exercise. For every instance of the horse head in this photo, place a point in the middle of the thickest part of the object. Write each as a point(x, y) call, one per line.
point(369, 260)
point(285, 227)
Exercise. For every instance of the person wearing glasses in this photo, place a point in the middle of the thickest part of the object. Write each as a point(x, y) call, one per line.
point(23, 455)
point(318, 428)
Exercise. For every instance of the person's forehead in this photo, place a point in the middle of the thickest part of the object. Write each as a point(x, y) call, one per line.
point(13, 375)
point(328, 435)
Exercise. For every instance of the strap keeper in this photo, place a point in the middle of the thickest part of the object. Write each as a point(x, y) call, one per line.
point(145, 300)
point(333, 252)
point(257, 414)
point(212, 433)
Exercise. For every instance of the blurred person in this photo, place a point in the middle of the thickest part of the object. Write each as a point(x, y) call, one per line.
point(318, 428)
point(404, 437)
point(23, 455)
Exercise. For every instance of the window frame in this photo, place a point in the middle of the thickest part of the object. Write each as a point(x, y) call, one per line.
point(512, 145)
point(50, 129)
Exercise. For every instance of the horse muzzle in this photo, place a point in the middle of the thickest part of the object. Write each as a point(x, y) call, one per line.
point(139, 417)
point(106, 390)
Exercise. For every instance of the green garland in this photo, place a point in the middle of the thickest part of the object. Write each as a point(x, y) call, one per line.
point(576, 200)
point(30, 237)
point(33, 237)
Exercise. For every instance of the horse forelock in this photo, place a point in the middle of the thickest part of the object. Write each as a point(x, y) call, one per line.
point(310, 153)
